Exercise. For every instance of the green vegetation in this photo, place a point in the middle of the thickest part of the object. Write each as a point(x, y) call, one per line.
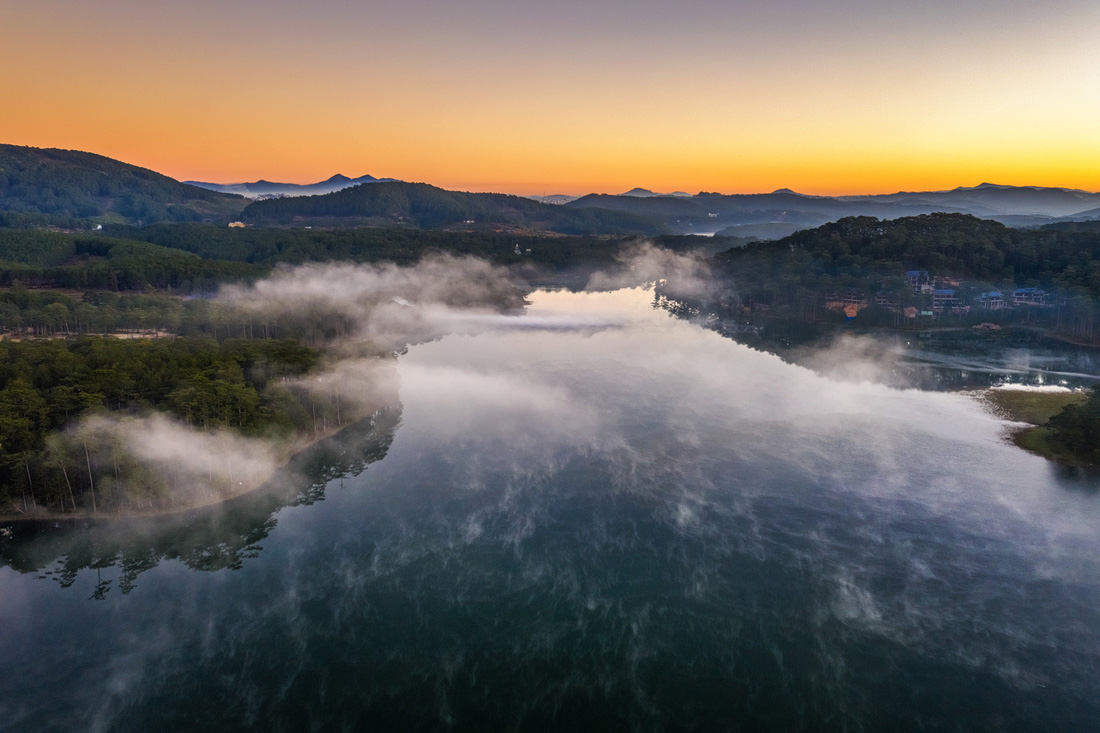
point(46, 384)
point(1066, 425)
point(1031, 406)
point(271, 245)
point(1076, 429)
point(1039, 440)
point(201, 540)
point(28, 313)
point(865, 252)
point(78, 190)
point(428, 207)
point(80, 261)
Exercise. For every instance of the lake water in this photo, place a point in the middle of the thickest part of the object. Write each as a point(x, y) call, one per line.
point(591, 517)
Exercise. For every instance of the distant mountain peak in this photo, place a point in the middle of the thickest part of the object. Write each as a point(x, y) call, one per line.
point(786, 190)
point(645, 193)
point(265, 188)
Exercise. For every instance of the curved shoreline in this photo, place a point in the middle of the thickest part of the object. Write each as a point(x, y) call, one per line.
point(1030, 411)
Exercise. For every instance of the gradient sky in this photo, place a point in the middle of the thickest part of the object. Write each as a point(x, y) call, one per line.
point(825, 96)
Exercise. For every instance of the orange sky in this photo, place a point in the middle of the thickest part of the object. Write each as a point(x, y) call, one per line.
point(837, 96)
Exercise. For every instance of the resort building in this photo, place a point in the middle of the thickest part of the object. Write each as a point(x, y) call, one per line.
point(993, 300)
point(1030, 296)
point(942, 299)
point(920, 281)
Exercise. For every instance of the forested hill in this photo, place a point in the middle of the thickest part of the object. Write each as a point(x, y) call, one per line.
point(47, 186)
point(428, 207)
point(854, 251)
point(38, 259)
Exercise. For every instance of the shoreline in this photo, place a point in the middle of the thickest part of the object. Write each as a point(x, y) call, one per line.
point(296, 448)
point(1035, 439)
point(1029, 412)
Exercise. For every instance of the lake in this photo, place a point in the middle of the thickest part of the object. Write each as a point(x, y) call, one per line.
point(598, 517)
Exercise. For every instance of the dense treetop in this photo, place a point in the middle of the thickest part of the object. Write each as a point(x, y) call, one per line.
point(271, 245)
point(54, 259)
point(45, 384)
point(858, 250)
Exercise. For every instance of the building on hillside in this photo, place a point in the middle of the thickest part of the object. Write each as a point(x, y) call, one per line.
point(920, 281)
point(992, 300)
point(885, 299)
point(1030, 296)
point(943, 299)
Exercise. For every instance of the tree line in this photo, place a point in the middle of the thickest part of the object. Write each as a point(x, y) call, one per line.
point(80, 261)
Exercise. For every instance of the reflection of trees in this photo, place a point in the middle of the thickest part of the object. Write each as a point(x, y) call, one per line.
point(948, 360)
point(213, 538)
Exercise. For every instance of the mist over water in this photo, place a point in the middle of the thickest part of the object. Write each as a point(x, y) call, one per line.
point(597, 517)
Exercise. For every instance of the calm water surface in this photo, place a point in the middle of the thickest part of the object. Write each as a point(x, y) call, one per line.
point(594, 517)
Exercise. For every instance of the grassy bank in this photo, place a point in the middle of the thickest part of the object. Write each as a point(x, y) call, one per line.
point(1031, 406)
point(1035, 408)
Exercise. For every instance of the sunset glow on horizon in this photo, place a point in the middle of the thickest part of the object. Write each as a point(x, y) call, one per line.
point(832, 97)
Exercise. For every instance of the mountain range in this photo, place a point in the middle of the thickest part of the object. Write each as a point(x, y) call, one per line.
point(80, 190)
point(562, 198)
point(269, 189)
point(784, 211)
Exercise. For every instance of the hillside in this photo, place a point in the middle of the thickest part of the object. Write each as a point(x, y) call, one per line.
point(428, 207)
point(47, 186)
point(946, 268)
point(955, 245)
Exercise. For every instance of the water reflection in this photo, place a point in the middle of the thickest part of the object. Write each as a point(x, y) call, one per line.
point(627, 524)
point(209, 539)
point(948, 360)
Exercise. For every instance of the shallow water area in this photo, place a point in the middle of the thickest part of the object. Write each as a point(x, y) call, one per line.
point(595, 516)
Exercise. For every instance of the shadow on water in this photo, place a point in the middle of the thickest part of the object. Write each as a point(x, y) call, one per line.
point(1081, 479)
point(211, 538)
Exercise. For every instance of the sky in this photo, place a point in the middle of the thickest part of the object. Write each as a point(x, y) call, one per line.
point(572, 96)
